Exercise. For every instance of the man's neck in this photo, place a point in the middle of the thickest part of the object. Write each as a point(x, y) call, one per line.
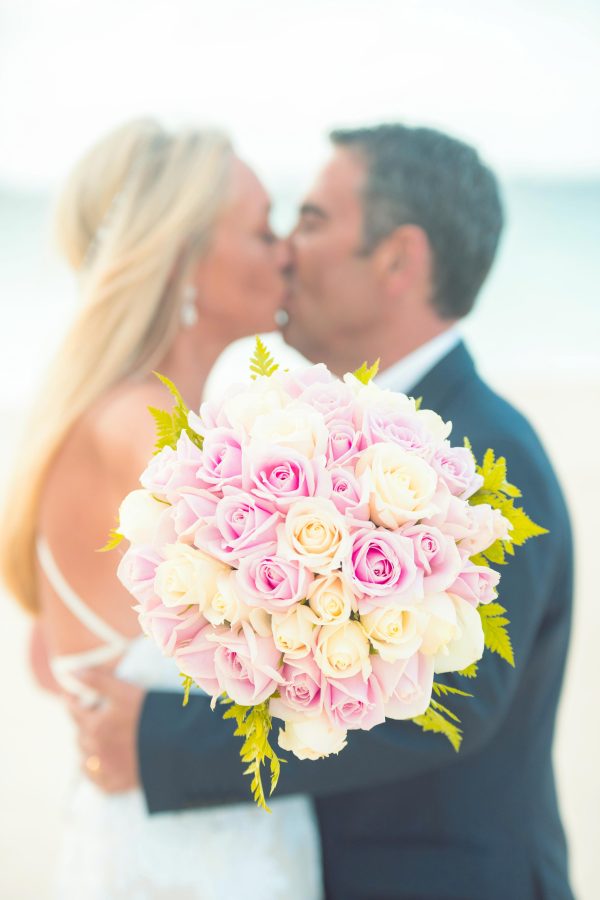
point(388, 348)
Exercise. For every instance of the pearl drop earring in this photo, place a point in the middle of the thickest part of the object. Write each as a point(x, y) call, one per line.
point(189, 310)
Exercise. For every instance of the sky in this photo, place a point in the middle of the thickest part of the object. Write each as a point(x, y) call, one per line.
point(517, 79)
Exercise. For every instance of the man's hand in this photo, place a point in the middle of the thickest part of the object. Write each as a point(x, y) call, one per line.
point(108, 732)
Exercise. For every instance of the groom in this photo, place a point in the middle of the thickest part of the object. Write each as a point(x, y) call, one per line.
point(392, 246)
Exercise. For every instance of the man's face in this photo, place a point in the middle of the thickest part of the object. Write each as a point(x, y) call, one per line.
point(334, 291)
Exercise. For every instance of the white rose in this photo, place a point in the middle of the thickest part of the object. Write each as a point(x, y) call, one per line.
point(371, 396)
point(226, 605)
point(401, 485)
point(312, 737)
point(441, 624)
point(264, 396)
point(139, 516)
point(489, 525)
point(343, 650)
point(435, 425)
point(467, 646)
point(314, 533)
point(293, 631)
point(299, 427)
point(188, 576)
point(331, 598)
point(396, 632)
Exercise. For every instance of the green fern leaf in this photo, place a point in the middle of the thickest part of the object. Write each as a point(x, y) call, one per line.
point(254, 725)
point(440, 690)
point(431, 720)
point(469, 672)
point(366, 373)
point(187, 684)
point(497, 638)
point(170, 425)
point(262, 363)
point(114, 539)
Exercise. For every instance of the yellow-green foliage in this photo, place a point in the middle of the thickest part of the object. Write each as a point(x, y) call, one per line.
point(114, 539)
point(253, 723)
point(262, 363)
point(497, 638)
point(501, 494)
point(169, 425)
point(365, 374)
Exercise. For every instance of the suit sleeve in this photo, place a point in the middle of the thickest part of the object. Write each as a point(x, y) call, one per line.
point(189, 757)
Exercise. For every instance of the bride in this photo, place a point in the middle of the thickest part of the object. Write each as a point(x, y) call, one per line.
point(170, 239)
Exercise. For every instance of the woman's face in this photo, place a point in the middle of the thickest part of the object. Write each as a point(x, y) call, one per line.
point(241, 281)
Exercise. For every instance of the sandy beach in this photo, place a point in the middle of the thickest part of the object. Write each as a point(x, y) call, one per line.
point(38, 751)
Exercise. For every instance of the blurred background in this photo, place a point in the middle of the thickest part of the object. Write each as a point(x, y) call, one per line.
point(518, 80)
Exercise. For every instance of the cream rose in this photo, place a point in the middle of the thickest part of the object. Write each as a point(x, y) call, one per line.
point(264, 396)
point(226, 604)
point(342, 650)
point(188, 576)
point(314, 533)
point(293, 631)
point(139, 516)
point(298, 427)
point(441, 625)
point(401, 485)
point(313, 737)
point(331, 598)
point(395, 632)
point(467, 645)
point(371, 396)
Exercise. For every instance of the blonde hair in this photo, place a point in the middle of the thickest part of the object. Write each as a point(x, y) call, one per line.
point(135, 214)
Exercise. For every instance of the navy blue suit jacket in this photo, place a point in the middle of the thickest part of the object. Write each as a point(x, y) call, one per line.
point(401, 814)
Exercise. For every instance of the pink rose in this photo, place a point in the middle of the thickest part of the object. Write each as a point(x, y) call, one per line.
point(302, 690)
point(247, 665)
point(488, 526)
point(436, 555)
point(354, 702)
point(193, 508)
point(242, 525)
point(297, 381)
point(197, 658)
point(283, 475)
point(271, 582)
point(406, 685)
point(402, 427)
point(333, 399)
point(170, 627)
point(348, 494)
point(382, 566)
point(457, 467)
point(170, 470)
point(222, 459)
point(455, 520)
point(477, 584)
point(137, 571)
point(344, 442)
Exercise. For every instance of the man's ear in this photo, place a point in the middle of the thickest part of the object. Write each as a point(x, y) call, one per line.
point(403, 260)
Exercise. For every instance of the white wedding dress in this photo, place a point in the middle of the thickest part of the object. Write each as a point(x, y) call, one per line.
point(114, 850)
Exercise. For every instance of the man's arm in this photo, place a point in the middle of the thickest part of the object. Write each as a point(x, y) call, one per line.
point(189, 757)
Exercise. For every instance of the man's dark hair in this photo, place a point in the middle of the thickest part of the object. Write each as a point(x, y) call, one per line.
point(422, 177)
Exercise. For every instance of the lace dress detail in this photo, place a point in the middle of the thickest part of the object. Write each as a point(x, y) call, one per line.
point(114, 850)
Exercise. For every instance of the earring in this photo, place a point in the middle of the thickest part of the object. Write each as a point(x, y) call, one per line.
point(189, 311)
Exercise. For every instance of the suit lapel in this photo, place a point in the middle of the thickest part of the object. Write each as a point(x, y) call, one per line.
point(440, 383)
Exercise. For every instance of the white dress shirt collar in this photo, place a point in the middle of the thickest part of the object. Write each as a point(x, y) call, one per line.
point(407, 372)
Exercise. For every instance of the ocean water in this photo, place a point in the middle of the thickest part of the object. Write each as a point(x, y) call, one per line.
point(538, 314)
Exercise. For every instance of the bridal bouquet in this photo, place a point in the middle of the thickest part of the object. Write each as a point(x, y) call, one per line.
point(316, 551)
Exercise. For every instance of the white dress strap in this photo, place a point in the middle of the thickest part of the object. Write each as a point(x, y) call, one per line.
point(91, 620)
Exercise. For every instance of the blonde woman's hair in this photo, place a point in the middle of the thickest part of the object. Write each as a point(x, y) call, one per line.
point(135, 214)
